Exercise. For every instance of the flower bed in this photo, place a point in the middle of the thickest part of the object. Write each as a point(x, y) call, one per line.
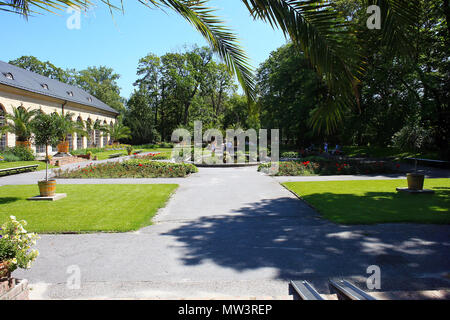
point(329, 167)
point(136, 168)
point(154, 156)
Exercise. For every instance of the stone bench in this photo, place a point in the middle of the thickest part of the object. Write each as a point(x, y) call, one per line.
point(20, 169)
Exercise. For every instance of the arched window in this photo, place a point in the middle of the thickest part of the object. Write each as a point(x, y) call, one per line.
point(105, 135)
point(79, 136)
point(97, 134)
point(3, 138)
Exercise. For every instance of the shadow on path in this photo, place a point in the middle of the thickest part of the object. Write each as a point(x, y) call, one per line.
point(285, 235)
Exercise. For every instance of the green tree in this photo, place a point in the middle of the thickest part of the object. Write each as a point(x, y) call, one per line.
point(47, 69)
point(101, 82)
point(46, 132)
point(289, 91)
point(318, 28)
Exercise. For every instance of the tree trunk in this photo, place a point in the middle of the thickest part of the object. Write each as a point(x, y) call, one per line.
point(46, 163)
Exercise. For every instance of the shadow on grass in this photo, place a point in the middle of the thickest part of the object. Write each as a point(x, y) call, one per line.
point(287, 237)
point(383, 207)
point(5, 200)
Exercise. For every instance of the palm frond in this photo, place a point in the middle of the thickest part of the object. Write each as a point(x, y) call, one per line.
point(221, 39)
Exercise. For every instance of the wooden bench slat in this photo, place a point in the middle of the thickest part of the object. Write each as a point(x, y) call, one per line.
point(347, 291)
point(305, 290)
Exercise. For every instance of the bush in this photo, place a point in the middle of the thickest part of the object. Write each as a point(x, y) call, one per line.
point(9, 157)
point(15, 245)
point(21, 152)
point(166, 145)
point(290, 155)
point(308, 167)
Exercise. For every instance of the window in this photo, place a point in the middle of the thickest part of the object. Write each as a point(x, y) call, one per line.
point(70, 139)
point(3, 144)
point(79, 141)
point(89, 99)
point(70, 93)
point(45, 86)
point(40, 148)
point(9, 75)
point(97, 138)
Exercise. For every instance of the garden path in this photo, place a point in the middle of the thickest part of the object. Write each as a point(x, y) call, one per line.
point(236, 232)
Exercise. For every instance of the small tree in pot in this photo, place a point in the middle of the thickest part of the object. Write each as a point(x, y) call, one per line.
point(413, 136)
point(46, 132)
point(20, 125)
point(67, 126)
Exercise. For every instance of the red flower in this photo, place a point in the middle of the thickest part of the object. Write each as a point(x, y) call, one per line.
point(140, 164)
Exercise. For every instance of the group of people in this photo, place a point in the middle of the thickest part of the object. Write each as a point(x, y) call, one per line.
point(226, 146)
point(311, 148)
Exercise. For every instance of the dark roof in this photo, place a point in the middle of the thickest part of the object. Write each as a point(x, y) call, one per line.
point(30, 81)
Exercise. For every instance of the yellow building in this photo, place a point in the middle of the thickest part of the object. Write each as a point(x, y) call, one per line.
point(19, 87)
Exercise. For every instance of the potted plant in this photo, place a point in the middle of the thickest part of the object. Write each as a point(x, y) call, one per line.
point(66, 126)
point(413, 136)
point(129, 150)
point(89, 155)
point(46, 132)
point(20, 125)
point(15, 252)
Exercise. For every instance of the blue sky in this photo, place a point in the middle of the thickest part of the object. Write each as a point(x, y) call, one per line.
point(120, 41)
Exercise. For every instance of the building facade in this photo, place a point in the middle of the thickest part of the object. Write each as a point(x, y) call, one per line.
point(22, 88)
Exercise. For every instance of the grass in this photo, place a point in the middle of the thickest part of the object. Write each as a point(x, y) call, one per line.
point(376, 201)
point(87, 208)
point(6, 165)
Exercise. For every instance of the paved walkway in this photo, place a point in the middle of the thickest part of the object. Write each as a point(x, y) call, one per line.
point(235, 232)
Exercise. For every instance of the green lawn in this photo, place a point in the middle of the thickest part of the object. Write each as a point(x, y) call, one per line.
point(376, 201)
point(87, 208)
point(5, 165)
point(385, 152)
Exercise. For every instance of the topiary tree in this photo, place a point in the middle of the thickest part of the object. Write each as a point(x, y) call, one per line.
point(46, 132)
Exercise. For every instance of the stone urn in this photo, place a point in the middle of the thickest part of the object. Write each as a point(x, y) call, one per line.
point(415, 181)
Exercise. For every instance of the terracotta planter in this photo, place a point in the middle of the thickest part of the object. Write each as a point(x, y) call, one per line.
point(415, 181)
point(26, 144)
point(63, 147)
point(4, 273)
point(47, 188)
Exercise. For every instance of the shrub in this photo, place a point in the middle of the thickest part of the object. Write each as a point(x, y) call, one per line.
point(166, 145)
point(9, 157)
point(15, 245)
point(289, 155)
point(22, 152)
point(308, 167)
